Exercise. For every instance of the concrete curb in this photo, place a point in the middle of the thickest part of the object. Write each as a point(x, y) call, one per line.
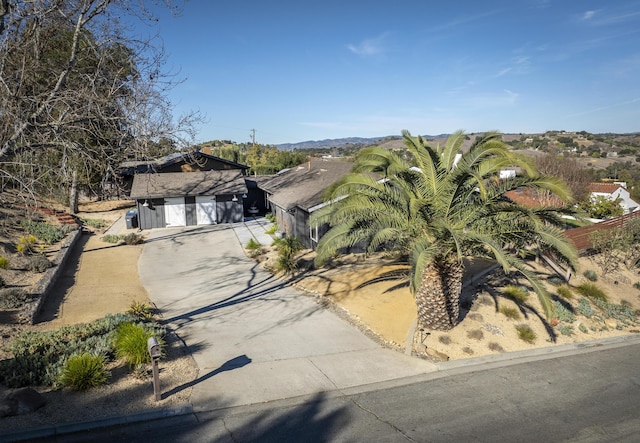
point(69, 428)
point(444, 369)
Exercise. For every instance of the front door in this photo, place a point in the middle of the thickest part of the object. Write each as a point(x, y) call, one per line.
point(175, 212)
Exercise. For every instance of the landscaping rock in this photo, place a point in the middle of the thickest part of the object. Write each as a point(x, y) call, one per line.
point(21, 401)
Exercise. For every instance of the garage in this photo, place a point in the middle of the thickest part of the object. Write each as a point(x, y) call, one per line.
point(189, 198)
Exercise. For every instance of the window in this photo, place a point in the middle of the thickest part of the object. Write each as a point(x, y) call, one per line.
point(313, 233)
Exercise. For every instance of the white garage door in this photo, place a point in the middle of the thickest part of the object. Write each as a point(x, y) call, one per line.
point(174, 212)
point(206, 210)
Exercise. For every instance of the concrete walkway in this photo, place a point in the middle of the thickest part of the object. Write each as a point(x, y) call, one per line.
point(254, 338)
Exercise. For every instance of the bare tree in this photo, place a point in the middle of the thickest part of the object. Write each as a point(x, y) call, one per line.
point(569, 171)
point(79, 94)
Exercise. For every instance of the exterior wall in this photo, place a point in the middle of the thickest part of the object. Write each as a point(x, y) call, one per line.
point(301, 228)
point(190, 210)
point(228, 211)
point(152, 216)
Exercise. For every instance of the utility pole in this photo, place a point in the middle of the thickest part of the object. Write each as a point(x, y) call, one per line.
point(253, 137)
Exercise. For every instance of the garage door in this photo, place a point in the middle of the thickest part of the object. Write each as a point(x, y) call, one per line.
point(175, 212)
point(206, 210)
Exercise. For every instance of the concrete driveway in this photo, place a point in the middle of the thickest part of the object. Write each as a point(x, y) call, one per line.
point(254, 338)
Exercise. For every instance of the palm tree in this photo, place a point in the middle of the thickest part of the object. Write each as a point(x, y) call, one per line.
point(448, 207)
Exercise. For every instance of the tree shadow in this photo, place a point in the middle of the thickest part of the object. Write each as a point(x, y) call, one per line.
point(234, 363)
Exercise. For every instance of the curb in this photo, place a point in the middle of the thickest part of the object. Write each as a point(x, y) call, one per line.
point(69, 428)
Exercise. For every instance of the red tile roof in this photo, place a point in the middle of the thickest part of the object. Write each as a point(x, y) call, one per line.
point(533, 199)
point(606, 188)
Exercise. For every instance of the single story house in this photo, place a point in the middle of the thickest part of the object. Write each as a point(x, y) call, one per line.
point(614, 191)
point(294, 194)
point(189, 198)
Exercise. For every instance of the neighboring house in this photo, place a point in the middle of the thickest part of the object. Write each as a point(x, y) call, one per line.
point(189, 198)
point(294, 194)
point(534, 199)
point(614, 191)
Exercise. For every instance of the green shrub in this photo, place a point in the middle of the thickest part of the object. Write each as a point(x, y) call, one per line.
point(287, 249)
point(252, 245)
point(584, 308)
point(590, 275)
point(555, 280)
point(566, 329)
point(26, 244)
point(142, 311)
point(4, 262)
point(272, 230)
point(525, 333)
point(12, 298)
point(271, 217)
point(516, 293)
point(39, 356)
point(133, 239)
point(84, 371)
point(562, 313)
point(131, 343)
point(510, 312)
point(38, 263)
point(592, 291)
point(623, 313)
point(46, 232)
point(110, 238)
point(97, 223)
point(583, 328)
point(564, 291)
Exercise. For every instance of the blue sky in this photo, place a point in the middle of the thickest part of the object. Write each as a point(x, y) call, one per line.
point(296, 70)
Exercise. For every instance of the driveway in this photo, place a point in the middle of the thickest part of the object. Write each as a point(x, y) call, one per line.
point(254, 338)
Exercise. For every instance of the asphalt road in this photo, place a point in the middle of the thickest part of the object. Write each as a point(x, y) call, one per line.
point(587, 397)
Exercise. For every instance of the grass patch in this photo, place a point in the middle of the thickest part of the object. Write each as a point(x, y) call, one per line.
point(84, 371)
point(526, 334)
point(97, 223)
point(516, 293)
point(272, 230)
point(590, 290)
point(131, 343)
point(110, 238)
point(510, 312)
point(4, 263)
point(564, 291)
point(252, 245)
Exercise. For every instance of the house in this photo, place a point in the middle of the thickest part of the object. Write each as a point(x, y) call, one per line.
point(177, 162)
point(614, 191)
point(294, 194)
point(189, 198)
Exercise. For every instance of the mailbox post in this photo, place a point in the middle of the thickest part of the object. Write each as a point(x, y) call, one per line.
point(155, 353)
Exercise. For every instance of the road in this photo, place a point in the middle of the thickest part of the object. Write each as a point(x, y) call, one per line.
point(586, 397)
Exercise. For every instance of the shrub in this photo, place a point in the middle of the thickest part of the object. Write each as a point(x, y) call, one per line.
point(564, 291)
point(525, 333)
point(12, 298)
point(46, 232)
point(590, 275)
point(467, 350)
point(516, 293)
point(584, 308)
point(252, 245)
point(592, 291)
point(84, 371)
point(4, 263)
point(444, 339)
point(566, 329)
point(142, 311)
point(637, 285)
point(131, 343)
point(110, 238)
point(510, 312)
point(38, 263)
point(133, 239)
point(272, 230)
point(287, 249)
point(97, 223)
point(271, 217)
point(555, 280)
point(562, 313)
point(26, 244)
point(496, 347)
point(583, 328)
point(39, 356)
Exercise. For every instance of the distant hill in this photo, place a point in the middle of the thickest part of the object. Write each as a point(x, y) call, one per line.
point(330, 143)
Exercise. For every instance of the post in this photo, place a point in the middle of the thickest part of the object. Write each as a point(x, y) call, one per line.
point(155, 353)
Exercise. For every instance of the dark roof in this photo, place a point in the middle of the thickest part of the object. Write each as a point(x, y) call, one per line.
point(580, 237)
point(136, 167)
point(180, 184)
point(304, 185)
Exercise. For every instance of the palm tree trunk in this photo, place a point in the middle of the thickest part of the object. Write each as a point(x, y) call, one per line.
point(438, 297)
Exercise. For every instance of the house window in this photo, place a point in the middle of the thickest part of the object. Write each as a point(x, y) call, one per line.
point(313, 233)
